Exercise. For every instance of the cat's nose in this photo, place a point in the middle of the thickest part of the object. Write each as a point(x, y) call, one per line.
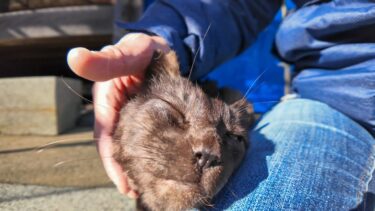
point(205, 159)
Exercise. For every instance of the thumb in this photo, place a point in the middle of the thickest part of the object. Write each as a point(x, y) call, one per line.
point(103, 65)
point(128, 57)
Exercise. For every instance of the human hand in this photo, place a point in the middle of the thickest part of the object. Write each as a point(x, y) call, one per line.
point(118, 71)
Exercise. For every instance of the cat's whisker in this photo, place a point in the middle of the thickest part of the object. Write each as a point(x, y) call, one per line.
point(254, 82)
point(260, 102)
point(256, 87)
point(206, 202)
point(232, 192)
point(85, 99)
point(198, 50)
point(41, 148)
point(60, 163)
point(271, 101)
point(74, 91)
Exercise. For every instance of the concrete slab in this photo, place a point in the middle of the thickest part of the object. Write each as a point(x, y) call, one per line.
point(30, 179)
point(21, 197)
point(68, 160)
point(38, 105)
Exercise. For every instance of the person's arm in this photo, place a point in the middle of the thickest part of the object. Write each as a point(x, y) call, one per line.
point(332, 47)
point(232, 26)
point(119, 69)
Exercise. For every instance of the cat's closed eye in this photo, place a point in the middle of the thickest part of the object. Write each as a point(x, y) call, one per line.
point(170, 114)
point(233, 137)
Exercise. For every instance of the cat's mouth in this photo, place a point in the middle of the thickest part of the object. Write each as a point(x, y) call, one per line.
point(212, 180)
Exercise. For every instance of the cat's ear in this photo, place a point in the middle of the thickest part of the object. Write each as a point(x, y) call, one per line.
point(165, 63)
point(244, 111)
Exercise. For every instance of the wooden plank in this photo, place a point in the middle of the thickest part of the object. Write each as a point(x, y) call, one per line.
point(12, 5)
point(34, 43)
point(57, 22)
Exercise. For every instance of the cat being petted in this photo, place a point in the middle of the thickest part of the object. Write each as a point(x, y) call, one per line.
point(178, 145)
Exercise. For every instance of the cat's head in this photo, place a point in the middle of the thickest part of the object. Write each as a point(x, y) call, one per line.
point(177, 145)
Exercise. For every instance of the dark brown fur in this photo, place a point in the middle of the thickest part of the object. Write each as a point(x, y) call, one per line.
point(177, 145)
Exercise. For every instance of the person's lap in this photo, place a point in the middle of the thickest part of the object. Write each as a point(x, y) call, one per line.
point(304, 155)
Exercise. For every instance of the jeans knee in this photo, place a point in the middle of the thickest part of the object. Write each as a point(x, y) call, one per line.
point(306, 111)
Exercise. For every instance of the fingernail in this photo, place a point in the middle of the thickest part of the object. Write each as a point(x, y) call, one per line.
point(133, 195)
point(73, 56)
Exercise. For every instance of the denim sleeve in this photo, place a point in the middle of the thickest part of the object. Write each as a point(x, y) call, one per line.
point(231, 26)
point(332, 44)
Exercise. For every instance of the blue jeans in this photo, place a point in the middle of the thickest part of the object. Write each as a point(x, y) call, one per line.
point(304, 156)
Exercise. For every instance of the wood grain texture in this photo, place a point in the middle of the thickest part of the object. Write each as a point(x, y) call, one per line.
point(12, 5)
point(56, 22)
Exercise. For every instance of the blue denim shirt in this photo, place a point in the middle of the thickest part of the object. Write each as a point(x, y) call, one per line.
point(331, 43)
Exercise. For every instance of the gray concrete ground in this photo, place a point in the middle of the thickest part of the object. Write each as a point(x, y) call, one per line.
point(55, 110)
point(30, 179)
point(30, 197)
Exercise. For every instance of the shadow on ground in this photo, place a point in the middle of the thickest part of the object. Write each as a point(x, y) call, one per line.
point(66, 174)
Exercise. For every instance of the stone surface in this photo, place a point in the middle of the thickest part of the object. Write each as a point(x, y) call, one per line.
point(38, 105)
point(30, 179)
point(21, 197)
point(68, 160)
